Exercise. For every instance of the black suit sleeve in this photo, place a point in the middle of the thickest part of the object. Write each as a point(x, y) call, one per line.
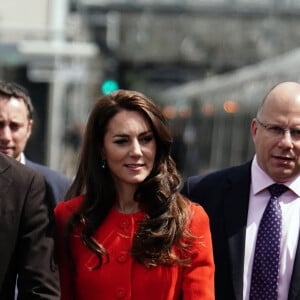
point(37, 271)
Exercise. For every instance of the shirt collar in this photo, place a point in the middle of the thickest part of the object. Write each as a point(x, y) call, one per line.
point(23, 159)
point(261, 180)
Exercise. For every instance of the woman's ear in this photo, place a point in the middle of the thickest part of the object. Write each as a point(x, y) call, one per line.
point(103, 160)
point(102, 153)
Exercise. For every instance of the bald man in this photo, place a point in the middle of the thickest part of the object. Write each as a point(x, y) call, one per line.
point(236, 201)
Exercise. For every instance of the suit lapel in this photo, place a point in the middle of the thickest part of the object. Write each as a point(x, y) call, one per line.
point(294, 290)
point(236, 200)
point(5, 181)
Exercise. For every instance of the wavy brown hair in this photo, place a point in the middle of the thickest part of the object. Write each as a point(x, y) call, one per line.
point(167, 212)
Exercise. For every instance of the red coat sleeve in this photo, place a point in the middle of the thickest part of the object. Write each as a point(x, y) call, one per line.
point(198, 278)
point(63, 211)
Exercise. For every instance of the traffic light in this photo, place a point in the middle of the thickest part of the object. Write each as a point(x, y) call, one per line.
point(108, 86)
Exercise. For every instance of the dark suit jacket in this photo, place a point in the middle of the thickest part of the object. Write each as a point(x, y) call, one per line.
point(57, 184)
point(26, 235)
point(225, 197)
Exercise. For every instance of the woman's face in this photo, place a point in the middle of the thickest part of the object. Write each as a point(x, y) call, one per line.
point(129, 148)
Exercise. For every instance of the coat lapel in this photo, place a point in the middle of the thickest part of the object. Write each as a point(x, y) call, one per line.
point(294, 291)
point(5, 180)
point(236, 200)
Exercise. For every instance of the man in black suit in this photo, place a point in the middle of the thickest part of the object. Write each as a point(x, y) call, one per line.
point(235, 199)
point(26, 235)
point(16, 121)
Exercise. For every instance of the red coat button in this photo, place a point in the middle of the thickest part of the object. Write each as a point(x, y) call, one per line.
point(120, 293)
point(123, 257)
point(124, 224)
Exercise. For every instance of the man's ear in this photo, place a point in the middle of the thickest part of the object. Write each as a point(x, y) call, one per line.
point(29, 129)
point(253, 127)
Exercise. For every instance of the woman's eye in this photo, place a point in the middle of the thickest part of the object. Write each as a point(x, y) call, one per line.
point(123, 141)
point(147, 138)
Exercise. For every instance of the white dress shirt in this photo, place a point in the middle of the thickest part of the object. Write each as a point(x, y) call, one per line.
point(23, 160)
point(290, 206)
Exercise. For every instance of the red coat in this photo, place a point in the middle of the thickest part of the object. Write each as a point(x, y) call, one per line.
point(122, 277)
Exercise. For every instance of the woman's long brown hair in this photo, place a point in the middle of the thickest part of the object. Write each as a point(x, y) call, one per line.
point(167, 212)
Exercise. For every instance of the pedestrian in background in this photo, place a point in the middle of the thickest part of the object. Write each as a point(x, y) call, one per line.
point(16, 122)
point(125, 231)
point(254, 208)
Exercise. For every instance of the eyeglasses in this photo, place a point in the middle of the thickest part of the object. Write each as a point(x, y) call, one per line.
point(278, 131)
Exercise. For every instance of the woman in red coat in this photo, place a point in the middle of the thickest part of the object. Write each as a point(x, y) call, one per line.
point(126, 232)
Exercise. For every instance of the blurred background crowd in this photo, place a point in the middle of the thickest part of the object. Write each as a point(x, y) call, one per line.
point(207, 63)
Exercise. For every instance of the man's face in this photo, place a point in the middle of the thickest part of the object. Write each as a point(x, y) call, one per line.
point(15, 126)
point(278, 154)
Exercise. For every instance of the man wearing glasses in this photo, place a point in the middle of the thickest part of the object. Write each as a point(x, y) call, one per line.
point(254, 208)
